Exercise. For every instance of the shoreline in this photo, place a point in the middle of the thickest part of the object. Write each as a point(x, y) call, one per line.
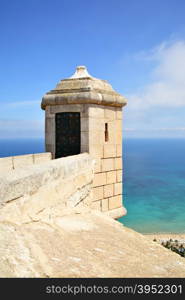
point(166, 236)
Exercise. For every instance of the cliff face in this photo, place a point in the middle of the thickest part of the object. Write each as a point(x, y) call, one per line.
point(82, 243)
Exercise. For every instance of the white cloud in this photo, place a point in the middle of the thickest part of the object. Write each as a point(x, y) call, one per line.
point(167, 87)
point(130, 129)
point(154, 133)
point(21, 128)
point(156, 129)
point(21, 104)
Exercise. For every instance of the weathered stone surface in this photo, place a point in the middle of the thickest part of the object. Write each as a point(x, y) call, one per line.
point(119, 113)
point(54, 180)
point(118, 137)
point(118, 163)
point(82, 243)
point(118, 188)
point(108, 190)
point(116, 213)
point(97, 166)
point(119, 150)
point(96, 151)
point(41, 157)
point(96, 205)
point(99, 179)
point(107, 164)
point(96, 112)
point(115, 202)
point(110, 113)
point(119, 175)
point(6, 164)
point(22, 161)
point(105, 204)
point(111, 177)
point(98, 193)
point(109, 151)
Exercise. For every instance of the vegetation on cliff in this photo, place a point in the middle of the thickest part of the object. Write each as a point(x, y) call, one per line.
point(174, 245)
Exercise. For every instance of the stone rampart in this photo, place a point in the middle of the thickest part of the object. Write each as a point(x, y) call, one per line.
point(37, 192)
point(21, 161)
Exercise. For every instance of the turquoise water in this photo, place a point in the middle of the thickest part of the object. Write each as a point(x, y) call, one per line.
point(154, 181)
point(154, 185)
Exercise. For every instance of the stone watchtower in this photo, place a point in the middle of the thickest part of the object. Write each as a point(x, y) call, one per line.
point(84, 114)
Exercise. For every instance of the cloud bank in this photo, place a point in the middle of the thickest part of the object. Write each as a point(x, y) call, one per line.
point(162, 101)
point(21, 119)
point(21, 129)
point(168, 85)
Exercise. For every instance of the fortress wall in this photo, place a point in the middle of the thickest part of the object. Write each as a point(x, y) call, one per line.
point(39, 192)
point(107, 185)
point(21, 161)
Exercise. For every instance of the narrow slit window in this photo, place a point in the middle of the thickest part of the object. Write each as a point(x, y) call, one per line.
point(106, 132)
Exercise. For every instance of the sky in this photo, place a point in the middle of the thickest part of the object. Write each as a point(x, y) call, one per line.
point(138, 46)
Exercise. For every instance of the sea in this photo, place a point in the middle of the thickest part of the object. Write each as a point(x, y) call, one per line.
point(153, 181)
point(154, 185)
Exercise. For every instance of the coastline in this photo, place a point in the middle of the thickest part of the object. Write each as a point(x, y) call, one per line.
point(160, 237)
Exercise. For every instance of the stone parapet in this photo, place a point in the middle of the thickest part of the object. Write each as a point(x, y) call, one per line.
point(22, 161)
point(44, 189)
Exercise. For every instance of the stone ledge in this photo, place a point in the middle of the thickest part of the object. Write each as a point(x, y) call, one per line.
point(22, 161)
point(28, 180)
point(82, 98)
point(116, 213)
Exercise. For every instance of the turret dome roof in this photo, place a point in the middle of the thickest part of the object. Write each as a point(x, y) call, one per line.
point(82, 88)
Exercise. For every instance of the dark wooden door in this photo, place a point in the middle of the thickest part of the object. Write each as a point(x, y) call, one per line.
point(67, 134)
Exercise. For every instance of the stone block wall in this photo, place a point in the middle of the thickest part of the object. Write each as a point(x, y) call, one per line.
point(42, 191)
point(107, 151)
point(107, 184)
point(21, 161)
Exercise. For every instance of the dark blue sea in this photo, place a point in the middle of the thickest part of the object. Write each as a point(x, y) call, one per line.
point(154, 181)
point(21, 146)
